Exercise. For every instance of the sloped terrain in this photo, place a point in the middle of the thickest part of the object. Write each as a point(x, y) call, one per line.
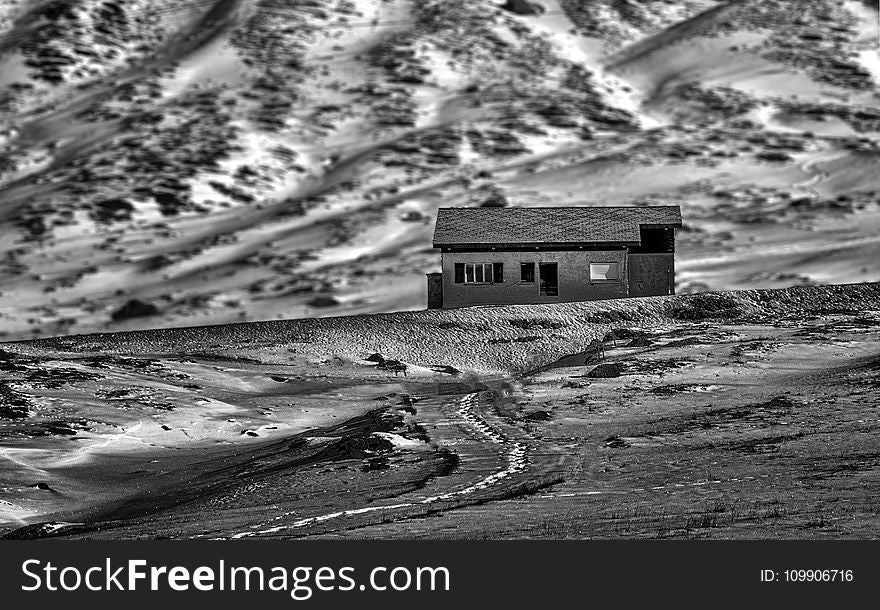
point(731, 414)
point(170, 163)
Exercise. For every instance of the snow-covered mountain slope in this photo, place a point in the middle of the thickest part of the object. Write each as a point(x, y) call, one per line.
point(229, 160)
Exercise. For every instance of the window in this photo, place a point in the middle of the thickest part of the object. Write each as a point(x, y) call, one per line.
point(527, 273)
point(479, 273)
point(604, 272)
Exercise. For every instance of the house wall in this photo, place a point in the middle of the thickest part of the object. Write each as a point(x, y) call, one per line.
point(573, 273)
point(651, 274)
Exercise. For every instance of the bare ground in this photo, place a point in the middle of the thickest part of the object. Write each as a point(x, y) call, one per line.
point(740, 415)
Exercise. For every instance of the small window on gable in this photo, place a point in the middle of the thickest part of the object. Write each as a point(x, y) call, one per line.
point(604, 272)
point(527, 273)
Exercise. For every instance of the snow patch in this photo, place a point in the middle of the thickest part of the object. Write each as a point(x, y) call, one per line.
point(399, 442)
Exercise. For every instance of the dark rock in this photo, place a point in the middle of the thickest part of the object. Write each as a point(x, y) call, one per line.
point(606, 371)
point(412, 216)
point(361, 446)
point(393, 365)
point(538, 416)
point(615, 442)
point(523, 7)
point(322, 301)
point(135, 308)
point(445, 368)
point(375, 358)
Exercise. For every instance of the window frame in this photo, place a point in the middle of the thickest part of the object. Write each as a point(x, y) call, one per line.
point(534, 267)
point(604, 281)
point(472, 268)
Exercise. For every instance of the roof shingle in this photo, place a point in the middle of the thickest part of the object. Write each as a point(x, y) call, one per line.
point(556, 225)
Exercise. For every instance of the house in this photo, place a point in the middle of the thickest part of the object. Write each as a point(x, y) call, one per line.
point(505, 256)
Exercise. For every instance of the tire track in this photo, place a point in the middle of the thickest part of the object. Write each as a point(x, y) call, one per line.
point(516, 455)
point(516, 461)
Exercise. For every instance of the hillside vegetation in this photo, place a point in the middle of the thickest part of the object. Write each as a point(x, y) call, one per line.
point(167, 163)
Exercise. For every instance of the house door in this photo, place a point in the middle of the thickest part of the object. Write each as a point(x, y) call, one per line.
point(650, 275)
point(549, 281)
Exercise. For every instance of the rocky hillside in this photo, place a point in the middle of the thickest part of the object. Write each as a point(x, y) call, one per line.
point(170, 163)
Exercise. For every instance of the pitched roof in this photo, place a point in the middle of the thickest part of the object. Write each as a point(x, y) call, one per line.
point(557, 225)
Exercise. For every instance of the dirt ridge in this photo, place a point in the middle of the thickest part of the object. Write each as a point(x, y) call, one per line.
point(464, 337)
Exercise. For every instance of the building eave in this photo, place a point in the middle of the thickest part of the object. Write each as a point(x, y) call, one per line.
point(611, 245)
